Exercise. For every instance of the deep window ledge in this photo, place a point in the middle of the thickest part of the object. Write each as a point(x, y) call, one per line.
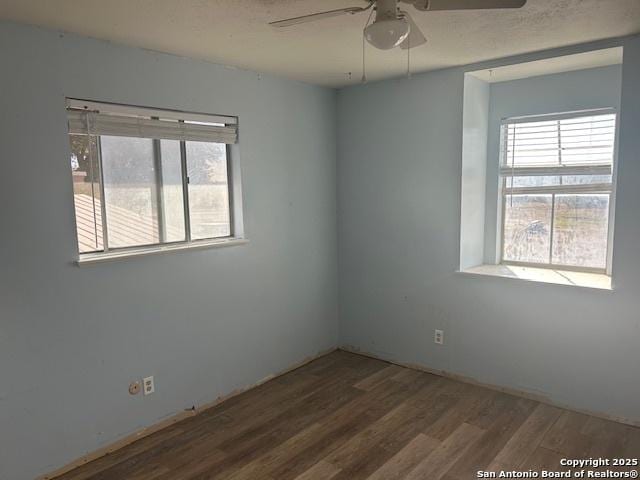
point(570, 278)
point(101, 257)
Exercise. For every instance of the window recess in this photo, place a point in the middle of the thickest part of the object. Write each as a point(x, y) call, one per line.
point(145, 177)
point(556, 177)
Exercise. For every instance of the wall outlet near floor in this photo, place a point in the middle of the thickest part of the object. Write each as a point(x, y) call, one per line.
point(148, 385)
point(438, 337)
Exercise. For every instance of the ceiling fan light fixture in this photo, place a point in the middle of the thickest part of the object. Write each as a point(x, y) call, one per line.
point(388, 33)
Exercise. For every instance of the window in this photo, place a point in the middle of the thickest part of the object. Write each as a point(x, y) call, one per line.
point(556, 179)
point(145, 177)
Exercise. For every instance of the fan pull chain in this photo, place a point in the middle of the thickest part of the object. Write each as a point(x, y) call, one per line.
point(364, 69)
point(409, 56)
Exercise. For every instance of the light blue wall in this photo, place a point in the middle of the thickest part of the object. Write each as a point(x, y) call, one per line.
point(399, 168)
point(563, 92)
point(475, 123)
point(204, 323)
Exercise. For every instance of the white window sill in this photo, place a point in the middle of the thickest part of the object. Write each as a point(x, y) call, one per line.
point(101, 257)
point(544, 275)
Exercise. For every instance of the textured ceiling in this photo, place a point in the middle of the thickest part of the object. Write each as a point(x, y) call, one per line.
point(235, 32)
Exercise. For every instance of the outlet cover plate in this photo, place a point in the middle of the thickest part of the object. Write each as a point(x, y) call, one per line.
point(148, 385)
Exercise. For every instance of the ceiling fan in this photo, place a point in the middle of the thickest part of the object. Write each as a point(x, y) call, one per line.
point(393, 27)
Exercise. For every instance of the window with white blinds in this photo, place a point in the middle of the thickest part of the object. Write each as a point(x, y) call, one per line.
point(145, 177)
point(557, 180)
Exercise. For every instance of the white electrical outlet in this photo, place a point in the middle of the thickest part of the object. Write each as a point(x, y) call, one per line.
point(148, 387)
point(438, 337)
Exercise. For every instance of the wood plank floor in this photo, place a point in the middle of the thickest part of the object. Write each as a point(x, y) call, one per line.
point(346, 416)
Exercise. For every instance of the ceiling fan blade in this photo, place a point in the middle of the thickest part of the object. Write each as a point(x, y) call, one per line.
point(469, 4)
point(319, 16)
point(415, 37)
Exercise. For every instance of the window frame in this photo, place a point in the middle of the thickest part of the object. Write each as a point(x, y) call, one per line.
point(236, 230)
point(595, 189)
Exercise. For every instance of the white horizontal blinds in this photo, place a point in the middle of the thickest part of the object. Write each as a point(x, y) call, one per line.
point(106, 123)
point(572, 152)
point(569, 141)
